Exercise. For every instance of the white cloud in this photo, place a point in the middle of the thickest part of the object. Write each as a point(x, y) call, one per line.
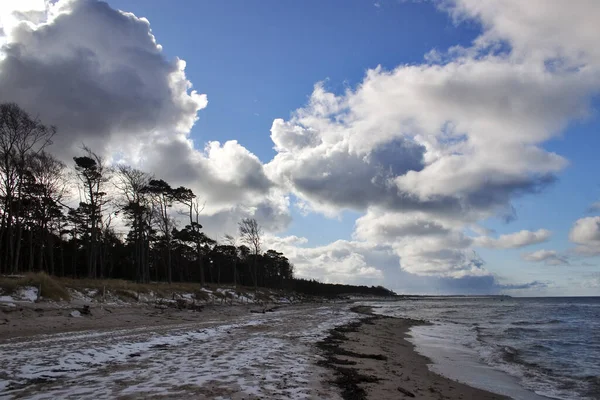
point(430, 150)
point(586, 233)
point(514, 240)
point(549, 257)
point(340, 261)
point(425, 152)
point(100, 76)
point(536, 29)
point(425, 246)
point(363, 263)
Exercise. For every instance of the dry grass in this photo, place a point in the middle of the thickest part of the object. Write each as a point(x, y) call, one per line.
point(8, 285)
point(55, 288)
point(51, 288)
point(201, 295)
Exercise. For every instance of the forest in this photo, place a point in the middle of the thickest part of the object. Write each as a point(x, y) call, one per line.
point(62, 219)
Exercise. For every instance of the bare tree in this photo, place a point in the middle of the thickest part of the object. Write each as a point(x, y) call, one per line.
point(47, 192)
point(20, 135)
point(251, 234)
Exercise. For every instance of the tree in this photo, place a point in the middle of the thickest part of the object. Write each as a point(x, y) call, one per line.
point(277, 269)
point(93, 175)
point(251, 234)
point(20, 135)
point(137, 209)
point(163, 197)
point(243, 256)
point(231, 247)
point(192, 232)
point(33, 222)
point(191, 235)
point(46, 190)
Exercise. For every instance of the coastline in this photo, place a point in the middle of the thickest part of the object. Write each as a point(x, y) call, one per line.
point(317, 350)
point(372, 359)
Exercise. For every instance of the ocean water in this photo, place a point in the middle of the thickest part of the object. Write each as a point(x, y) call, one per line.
point(526, 348)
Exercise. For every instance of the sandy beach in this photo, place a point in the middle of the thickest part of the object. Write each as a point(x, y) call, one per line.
point(373, 360)
point(315, 351)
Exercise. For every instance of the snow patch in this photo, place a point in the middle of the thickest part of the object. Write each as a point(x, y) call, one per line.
point(27, 293)
point(260, 356)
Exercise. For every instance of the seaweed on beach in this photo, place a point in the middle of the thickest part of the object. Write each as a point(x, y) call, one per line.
point(347, 379)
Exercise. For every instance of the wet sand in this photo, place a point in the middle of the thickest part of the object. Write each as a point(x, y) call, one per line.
point(372, 359)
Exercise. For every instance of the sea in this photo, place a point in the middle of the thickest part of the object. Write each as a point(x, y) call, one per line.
point(525, 348)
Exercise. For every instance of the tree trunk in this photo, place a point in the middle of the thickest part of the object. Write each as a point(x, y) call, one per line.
point(30, 263)
point(147, 258)
point(218, 274)
point(10, 244)
point(18, 247)
point(235, 274)
point(200, 264)
point(51, 254)
point(169, 262)
point(2, 247)
point(253, 273)
point(41, 248)
point(62, 258)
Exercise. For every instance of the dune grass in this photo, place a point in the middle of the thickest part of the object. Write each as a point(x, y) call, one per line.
point(51, 288)
point(57, 289)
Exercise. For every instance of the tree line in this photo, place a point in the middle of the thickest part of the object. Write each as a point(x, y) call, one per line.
point(63, 220)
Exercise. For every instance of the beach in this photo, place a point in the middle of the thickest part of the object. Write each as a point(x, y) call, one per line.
point(237, 352)
point(374, 360)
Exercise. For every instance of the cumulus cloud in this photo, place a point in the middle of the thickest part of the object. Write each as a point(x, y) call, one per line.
point(101, 77)
point(535, 31)
point(463, 135)
point(340, 261)
point(549, 257)
point(514, 240)
point(586, 234)
point(424, 152)
point(96, 73)
point(363, 263)
point(426, 246)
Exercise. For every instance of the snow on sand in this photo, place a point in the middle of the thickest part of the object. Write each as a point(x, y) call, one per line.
point(249, 356)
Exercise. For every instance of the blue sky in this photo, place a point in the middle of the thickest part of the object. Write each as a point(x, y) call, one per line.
point(259, 61)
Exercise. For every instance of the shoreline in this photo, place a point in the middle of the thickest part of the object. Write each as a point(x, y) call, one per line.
point(345, 351)
point(372, 359)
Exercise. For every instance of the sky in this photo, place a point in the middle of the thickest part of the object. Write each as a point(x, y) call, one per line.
point(433, 147)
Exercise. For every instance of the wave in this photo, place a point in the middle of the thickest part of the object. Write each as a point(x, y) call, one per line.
point(519, 330)
point(547, 322)
point(541, 347)
point(549, 347)
point(540, 379)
